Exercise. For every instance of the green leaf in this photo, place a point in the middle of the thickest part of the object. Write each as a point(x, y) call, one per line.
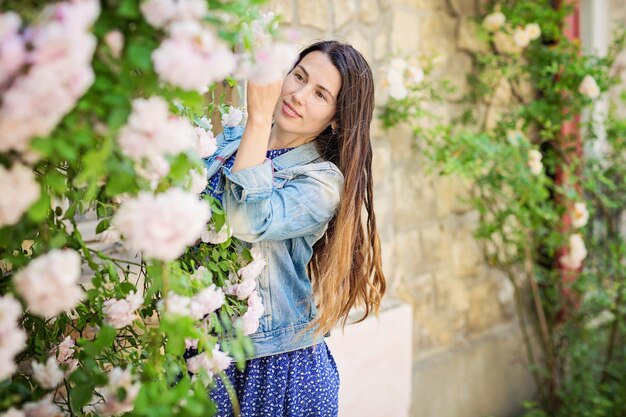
point(103, 340)
point(128, 8)
point(103, 225)
point(40, 209)
point(139, 55)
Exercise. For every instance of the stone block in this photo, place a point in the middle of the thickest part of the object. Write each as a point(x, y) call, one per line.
point(405, 30)
point(381, 164)
point(369, 12)
point(414, 198)
point(435, 245)
point(467, 38)
point(485, 376)
point(343, 12)
point(485, 310)
point(381, 45)
point(467, 255)
point(463, 8)
point(284, 8)
point(451, 192)
point(407, 261)
point(438, 30)
point(360, 43)
point(315, 14)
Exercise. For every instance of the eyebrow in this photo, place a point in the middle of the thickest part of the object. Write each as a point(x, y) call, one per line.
point(320, 86)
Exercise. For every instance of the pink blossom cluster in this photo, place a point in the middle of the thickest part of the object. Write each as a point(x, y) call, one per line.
point(162, 225)
point(19, 183)
point(64, 354)
point(197, 307)
point(121, 313)
point(212, 363)
point(49, 283)
point(269, 60)
point(207, 59)
point(44, 69)
point(152, 133)
point(111, 405)
point(12, 337)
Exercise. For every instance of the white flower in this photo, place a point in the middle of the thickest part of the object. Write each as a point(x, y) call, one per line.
point(12, 50)
point(250, 320)
point(176, 304)
point(416, 74)
point(206, 144)
point(118, 379)
point(207, 59)
point(151, 132)
point(162, 226)
point(232, 117)
point(10, 312)
point(42, 408)
point(191, 343)
point(589, 87)
point(197, 181)
point(268, 64)
point(13, 412)
point(252, 270)
point(48, 375)
point(576, 254)
point(216, 362)
point(19, 183)
point(521, 38)
point(65, 350)
point(245, 288)
point(206, 301)
point(121, 313)
point(533, 30)
point(494, 21)
point(49, 283)
point(534, 161)
point(199, 273)
point(115, 41)
point(398, 91)
point(159, 13)
point(580, 215)
point(209, 235)
point(12, 338)
point(60, 71)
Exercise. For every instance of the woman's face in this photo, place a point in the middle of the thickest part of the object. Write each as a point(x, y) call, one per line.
point(307, 102)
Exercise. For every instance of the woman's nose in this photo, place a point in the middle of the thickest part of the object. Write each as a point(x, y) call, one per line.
point(299, 95)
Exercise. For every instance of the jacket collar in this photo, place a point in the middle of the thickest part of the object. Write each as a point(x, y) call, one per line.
point(300, 155)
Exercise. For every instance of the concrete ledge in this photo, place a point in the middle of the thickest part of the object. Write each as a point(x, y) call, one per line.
point(374, 361)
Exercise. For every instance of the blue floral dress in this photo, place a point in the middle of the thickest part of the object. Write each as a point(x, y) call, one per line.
point(299, 383)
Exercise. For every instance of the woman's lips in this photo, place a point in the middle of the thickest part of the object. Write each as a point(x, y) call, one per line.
point(289, 111)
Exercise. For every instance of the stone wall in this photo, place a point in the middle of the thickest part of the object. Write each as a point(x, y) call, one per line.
point(463, 316)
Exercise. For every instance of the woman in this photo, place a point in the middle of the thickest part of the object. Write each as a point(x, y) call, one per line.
point(294, 188)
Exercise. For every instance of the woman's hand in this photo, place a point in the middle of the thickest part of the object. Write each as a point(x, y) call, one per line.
point(261, 100)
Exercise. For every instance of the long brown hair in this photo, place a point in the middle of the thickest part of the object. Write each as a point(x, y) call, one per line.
point(346, 267)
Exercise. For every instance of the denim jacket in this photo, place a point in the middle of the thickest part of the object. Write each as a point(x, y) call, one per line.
point(282, 206)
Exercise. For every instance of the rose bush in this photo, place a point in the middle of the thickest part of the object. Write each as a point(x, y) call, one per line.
point(104, 114)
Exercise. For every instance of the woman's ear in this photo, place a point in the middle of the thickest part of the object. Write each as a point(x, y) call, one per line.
point(333, 125)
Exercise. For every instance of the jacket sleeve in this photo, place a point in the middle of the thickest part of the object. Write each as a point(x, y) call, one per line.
point(256, 210)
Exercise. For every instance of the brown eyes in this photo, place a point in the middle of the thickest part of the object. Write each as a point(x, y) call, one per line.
point(317, 93)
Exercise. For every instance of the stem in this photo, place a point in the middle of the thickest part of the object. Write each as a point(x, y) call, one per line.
point(543, 324)
point(527, 342)
point(231, 394)
point(612, 337)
